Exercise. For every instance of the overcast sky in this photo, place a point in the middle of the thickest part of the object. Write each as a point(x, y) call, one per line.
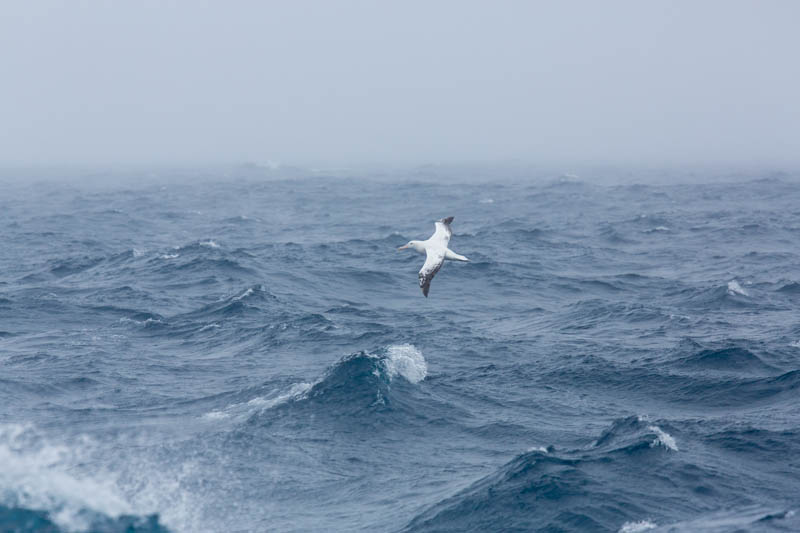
point(339, 82)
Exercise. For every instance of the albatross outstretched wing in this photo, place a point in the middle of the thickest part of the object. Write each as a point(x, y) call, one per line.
point(441, 237)
point(433, 262)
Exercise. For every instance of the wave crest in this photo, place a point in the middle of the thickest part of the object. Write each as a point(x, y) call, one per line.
point(537, 487)
point(407, 361)
point(38, 488)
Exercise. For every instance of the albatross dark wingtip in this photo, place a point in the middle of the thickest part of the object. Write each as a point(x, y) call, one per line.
point(448, 220)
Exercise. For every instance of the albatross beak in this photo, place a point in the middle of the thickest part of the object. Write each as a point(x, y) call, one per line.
point(402, 247)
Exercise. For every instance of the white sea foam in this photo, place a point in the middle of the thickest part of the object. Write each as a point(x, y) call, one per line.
point(248, 292)
point(170, 256)
point(209, 243)
point(663, 439)
point(407, 361)
point(637, 527)
point(145, 322)
point(486, 201)
point(259, 403)
point(298, 390)
point(734, 288)
point(679, 317)
point(795, 344)
point(138, 253)
point(537, 449)
point(216, 415)
point(37, 474)
point(245, 294)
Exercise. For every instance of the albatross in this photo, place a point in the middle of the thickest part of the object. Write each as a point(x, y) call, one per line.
point(436, 251)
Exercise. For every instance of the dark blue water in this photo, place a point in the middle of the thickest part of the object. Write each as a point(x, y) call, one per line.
point(255, 355)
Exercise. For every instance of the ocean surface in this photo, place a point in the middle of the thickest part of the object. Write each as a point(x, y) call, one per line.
point(251, 353)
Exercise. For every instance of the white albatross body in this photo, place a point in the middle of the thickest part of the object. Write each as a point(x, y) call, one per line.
point(436, 251)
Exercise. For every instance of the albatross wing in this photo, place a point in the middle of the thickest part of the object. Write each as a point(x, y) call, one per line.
point(433, 262)
point(441, 237)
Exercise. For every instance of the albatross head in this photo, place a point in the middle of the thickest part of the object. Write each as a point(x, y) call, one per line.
point(416, 245)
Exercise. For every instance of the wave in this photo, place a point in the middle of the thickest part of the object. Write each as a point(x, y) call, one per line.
point(356, 385)
point(727, 359)
point(676, 384)
point(585, 489)
point(744, 518)
point(62, 268)
point(252, 298)
point(21, 519)
point(184, 264)
point(767, 445)
point(406, 361)
point(259, 403)
point(657, 229)
point(637, 527)
point(39, 491)
point(748, 391)
point(729, 296)
point(791, 287)
point(613, 235)
point(735, 289)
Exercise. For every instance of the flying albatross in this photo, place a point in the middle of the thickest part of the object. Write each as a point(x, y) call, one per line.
point(436, 251)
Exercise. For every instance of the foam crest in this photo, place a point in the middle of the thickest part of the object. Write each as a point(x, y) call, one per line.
point(298, 390)
point(663, 439)
point(540, 449)
point(407, 361)
point(36, 475)
point(259, 403)
point(248, 292)
point(734, 288)
point(637, 527)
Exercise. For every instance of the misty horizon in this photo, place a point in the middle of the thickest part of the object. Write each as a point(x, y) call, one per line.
point(351, 83)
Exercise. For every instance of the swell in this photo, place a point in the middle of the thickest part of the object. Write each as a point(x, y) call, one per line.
point(40, 490)
point(22, 519)
point(590, 488)
point(724, 374)
point(361, 388)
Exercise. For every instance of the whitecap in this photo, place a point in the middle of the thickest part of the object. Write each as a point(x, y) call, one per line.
point(37, 474)
point(170, 256)
point(663, 439)
point(138, 253)
point(734, 288)
point(679, 317)
point(246, 293)
point(209, 243)
point(297, 391)
point(486, 201)
point(407, 361)
point(216, 415)
point(259, 403)
point(637, 527)
point(146, 322)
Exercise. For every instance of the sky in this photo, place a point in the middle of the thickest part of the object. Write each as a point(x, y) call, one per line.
point(412, 82)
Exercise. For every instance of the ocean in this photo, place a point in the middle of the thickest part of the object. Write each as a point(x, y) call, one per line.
point(251, 353)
